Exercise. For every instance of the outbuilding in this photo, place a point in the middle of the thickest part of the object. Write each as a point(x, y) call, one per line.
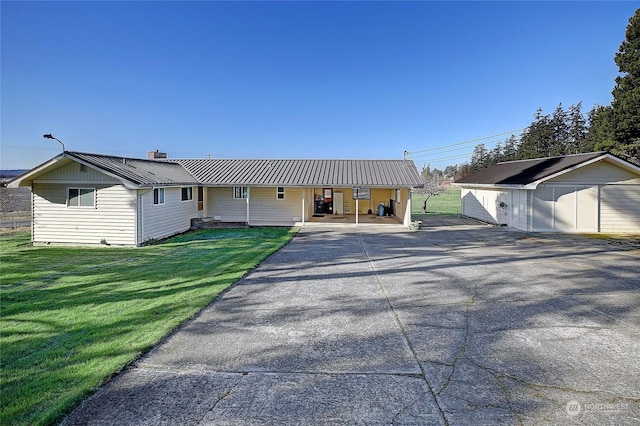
point(593, 192)
point(82, 198)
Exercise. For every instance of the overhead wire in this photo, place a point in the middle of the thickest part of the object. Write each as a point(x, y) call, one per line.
point(491, 141)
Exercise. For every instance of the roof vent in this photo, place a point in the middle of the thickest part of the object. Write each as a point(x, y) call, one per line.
point(155, 155)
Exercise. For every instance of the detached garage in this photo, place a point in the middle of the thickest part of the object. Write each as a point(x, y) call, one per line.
point(594, 192)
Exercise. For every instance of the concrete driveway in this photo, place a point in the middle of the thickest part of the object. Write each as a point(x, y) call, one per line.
point(459, 323)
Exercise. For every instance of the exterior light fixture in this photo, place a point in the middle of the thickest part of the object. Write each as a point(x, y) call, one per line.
point(50, 136)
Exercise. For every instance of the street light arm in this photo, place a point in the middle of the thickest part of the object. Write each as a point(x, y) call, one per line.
point(50, 136)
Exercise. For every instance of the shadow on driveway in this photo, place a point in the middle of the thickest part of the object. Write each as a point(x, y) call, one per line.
point(459, 323)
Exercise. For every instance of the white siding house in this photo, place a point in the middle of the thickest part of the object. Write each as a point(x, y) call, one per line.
point(81, 198)
point(594, 192)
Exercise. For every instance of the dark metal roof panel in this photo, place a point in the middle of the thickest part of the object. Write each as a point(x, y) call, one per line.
point(526, 171)
point(137, 171)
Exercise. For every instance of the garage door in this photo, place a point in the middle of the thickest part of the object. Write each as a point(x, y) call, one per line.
point(565, 209)
point(620, 208)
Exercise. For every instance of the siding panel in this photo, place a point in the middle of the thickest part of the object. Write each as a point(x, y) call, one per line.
point(112, 219)
point(620, 208)
point(170, 218)
point(480, 204)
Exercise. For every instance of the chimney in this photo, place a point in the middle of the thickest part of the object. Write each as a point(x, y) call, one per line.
point(155, 155)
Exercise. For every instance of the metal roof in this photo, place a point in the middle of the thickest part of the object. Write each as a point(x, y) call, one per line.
point(138, 171)
point(525, 172)
point(349, 173)
point(166, 172)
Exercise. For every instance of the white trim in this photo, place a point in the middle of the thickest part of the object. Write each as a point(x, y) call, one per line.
point(95, 195)
point(159, 188)
point(190, 199)
point(619, 162)
point(244, 194)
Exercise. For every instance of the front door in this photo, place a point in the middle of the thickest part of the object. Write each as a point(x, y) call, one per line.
point(338, 202)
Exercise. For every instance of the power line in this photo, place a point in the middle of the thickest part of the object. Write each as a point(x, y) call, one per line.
point(409, 153)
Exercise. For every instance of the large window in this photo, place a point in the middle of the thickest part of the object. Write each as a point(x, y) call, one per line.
point(158, 196)
point(240, 192)
point(81, 197)
point(187, 194)
point(280, 193)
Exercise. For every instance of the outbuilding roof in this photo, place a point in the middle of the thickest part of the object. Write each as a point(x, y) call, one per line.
point(525, 172)
point(370, 173)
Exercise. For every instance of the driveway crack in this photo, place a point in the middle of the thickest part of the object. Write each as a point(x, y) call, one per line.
point(404, 334)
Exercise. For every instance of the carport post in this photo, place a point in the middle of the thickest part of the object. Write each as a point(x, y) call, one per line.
point(356, 211)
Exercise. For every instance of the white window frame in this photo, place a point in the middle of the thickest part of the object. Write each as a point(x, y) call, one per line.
point(280, 191)
point(79, 198)
point(160, 196)
point(189, 194)
point(242, 191)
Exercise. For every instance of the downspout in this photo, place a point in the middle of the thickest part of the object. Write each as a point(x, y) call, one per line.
point(140, 241)
point(248, 192)
point(304, 193)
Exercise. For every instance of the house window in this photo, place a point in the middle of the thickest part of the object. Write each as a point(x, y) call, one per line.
point(83, 168)
point(187, 194)
point(158, 196)
point(240, 192)
point(280, 193)
point(81, 197)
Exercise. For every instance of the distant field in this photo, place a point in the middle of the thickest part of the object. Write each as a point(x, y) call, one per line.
point(445, 204)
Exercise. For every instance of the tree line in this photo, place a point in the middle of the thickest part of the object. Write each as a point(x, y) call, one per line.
point(614, 128)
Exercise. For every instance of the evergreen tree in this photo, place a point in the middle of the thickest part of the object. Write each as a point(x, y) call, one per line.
point(479, 157)
point(600, 129)
point(510, 150)
point(495, 155)
point(577, 130)
point(626, 93)
point(559, 132)
point(536, 139)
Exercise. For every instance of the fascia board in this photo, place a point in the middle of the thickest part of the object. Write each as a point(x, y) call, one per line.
point(21, 181)
point(618, 161)
point(127, 183)
point(487, 186)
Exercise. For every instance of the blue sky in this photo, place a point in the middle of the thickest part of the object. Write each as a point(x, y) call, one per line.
point(294, 79)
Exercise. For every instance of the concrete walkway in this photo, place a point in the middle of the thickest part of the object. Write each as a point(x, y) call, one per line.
point(459, 323)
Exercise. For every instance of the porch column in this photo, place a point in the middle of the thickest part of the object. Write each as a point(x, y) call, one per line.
point(407, 213)
point(247, 206)
point(356, 211)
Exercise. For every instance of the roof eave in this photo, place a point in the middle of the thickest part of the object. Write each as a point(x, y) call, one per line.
point(607, 156)
point(488, 185)
point(26, 179)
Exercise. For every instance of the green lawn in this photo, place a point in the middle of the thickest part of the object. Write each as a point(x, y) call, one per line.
point(445, 204)
point(72, 317)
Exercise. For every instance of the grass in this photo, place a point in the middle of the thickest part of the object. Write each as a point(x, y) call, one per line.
point(444, 204)
point(73, 317)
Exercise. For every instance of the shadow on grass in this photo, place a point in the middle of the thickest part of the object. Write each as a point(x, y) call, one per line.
point(72, 317)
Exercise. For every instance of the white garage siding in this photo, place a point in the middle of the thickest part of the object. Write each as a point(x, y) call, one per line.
point(111, 220)
point(565, 208)
point(170, 218)
point(620, 208)
point(480, 204)
point(519, 209)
